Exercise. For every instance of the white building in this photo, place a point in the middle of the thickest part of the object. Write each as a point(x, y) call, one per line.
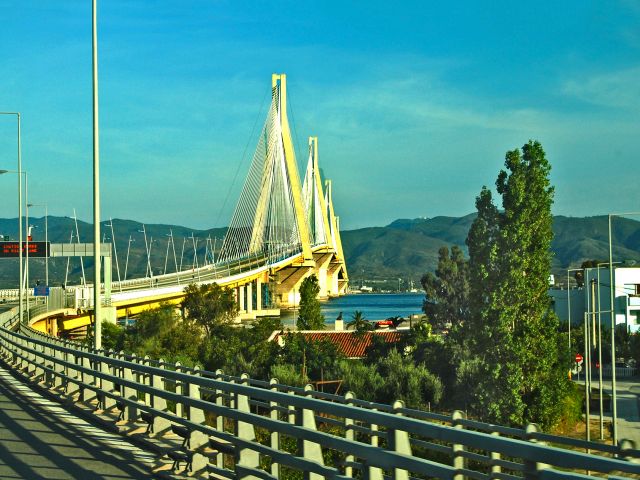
point(595, 296)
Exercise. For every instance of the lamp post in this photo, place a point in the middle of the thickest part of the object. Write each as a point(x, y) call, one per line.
point(600, 347)
point(96, 182)
point(569, 303)
point(126, 264)
point(20, 290)
point(146, 247)
point(184, 240)
point(115, 250)
point(22, 272)
point(614, 409)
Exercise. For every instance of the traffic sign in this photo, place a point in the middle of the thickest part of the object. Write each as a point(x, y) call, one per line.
point(579, 358)
point(41, 291)
point(36, 249)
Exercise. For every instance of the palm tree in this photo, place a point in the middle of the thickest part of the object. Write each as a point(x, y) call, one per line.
point(359, 323)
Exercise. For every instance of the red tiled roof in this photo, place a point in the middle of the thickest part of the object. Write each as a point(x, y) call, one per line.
point(350, 344)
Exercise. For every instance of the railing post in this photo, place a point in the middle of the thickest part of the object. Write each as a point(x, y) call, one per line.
point(196, 415)
point(219, 418)
point(496, 469)
point(275, 436)
point(309, 450)
point(73, 377)
point(531, 467)
point(106, 386)
point(33, 360)
point(38, 371)
point(245, 458)
point(369, 472)
point(130, 413)
point(180, 390)
point(349, 434)
point(398, 441)
point(456, 448)
point(87, 379)
point(624, 445)
point(157, 402)
point(58, 368)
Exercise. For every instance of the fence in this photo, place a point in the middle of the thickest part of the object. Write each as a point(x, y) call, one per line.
point(243, 428)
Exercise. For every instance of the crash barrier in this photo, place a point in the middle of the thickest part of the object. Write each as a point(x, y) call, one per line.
point(237, 427)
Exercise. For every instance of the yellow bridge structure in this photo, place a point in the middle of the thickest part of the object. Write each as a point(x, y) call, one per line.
point(283, 230)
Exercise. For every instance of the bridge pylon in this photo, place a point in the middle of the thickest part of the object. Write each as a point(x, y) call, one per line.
point(337, 272)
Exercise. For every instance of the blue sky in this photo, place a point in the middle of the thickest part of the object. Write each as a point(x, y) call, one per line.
point(414, 103)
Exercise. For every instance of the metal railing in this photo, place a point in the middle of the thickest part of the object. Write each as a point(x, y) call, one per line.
point(237, 427)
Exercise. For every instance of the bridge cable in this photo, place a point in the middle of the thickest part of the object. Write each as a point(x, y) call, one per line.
point(244, 153)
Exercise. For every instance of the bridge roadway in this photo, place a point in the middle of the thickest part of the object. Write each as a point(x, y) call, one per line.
point(40, 439)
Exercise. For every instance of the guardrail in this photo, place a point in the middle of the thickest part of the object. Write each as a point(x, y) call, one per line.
point(237, 427)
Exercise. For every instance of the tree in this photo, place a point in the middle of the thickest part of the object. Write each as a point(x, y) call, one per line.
point(359, 323)
point(513, 329)
point(579, 274)
point(310, 316)
point(161, 333)
point(446, 302)
point(210, 306)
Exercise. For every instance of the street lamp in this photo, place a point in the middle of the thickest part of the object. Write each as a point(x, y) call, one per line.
point(146, 247)
point(613, 366)
point(21, 284)
point(20, 290)
point(97, 307)
point(569, 303)
point(126, 264)
point(115, 250)
point(613, 330)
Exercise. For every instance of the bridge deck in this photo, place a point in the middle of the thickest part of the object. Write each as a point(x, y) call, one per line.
point(40, 439)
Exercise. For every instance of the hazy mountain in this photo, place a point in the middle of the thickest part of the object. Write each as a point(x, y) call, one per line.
point(406, 248)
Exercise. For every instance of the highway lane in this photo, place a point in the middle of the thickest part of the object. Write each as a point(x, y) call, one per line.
point(40, 439)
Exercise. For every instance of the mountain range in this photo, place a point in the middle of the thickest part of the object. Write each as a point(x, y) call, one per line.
point(404, 249)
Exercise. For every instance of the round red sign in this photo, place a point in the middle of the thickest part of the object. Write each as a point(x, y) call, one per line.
point(578, 358)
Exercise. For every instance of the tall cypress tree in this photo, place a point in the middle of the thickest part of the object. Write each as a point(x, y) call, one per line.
point(513, 331)
point(310, 315)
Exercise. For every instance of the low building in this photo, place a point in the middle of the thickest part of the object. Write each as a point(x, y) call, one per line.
point(595, 298)
point(351, 344)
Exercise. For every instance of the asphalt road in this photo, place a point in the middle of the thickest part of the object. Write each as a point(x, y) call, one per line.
point(40, 439)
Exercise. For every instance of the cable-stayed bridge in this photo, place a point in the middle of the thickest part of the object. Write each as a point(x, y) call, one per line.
point(282, 230)
point(210, 425)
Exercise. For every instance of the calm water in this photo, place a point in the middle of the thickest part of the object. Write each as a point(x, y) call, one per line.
point(373, 306)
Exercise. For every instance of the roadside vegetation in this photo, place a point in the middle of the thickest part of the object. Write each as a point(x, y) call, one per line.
point(491, 345)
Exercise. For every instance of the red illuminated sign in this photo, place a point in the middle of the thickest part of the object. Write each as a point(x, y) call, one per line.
point(12, 249)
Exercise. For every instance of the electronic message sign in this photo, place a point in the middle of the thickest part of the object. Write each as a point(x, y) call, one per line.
point(36, 249)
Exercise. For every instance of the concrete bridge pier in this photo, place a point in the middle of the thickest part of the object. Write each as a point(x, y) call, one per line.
point(321, 271)
point(288, 282)
point(333, 274)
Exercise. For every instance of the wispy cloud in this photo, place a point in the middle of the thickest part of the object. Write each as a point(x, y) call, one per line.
point(616, 89)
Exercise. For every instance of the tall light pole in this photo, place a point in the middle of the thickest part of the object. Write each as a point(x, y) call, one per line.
point(24, 274)
point(115, 250)
point(126, 263)
point(613, 331)
point(20, 289)
point(96, 185)
point(146, 247)
point(600, 348)
point(569, 303)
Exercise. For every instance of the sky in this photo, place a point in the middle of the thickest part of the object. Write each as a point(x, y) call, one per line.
point(414, 103)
